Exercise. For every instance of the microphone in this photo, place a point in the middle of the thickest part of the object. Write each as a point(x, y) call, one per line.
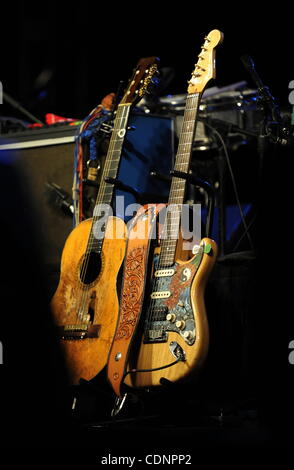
point(250, 66)
point(279, 128)
point(264, 92)
point(58, 197)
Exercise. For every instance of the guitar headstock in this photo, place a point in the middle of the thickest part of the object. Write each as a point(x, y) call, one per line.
point(143, 77)
point(205, 68)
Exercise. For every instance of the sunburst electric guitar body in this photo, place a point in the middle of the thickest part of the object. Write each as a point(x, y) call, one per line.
point(85, 305)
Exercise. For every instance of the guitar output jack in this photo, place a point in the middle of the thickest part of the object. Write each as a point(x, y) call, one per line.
point(177, 351)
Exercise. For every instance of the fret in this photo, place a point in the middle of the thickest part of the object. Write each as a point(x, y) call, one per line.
point(169, 236)
point(106, 190)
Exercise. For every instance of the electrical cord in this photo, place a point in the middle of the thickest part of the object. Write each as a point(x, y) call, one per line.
point(224, 146)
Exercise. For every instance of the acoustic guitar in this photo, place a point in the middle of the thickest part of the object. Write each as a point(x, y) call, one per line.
point(85, 304)
point(172, 335)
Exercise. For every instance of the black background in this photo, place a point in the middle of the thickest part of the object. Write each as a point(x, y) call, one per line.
point(88, 48)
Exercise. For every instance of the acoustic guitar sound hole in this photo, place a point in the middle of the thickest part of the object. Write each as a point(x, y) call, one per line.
point(90, 268)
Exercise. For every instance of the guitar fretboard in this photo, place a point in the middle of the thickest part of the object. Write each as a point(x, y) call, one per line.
point(110, 170)
point(171, 227)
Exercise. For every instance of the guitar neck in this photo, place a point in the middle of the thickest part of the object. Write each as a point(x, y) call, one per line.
point(110, 170)
point(178, 185)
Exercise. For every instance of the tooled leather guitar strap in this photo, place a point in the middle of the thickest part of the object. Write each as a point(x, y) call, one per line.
point(132, 292)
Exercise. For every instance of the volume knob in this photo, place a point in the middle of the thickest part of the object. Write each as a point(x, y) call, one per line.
point(171, 317)
point(180, 324)
point(188, 335)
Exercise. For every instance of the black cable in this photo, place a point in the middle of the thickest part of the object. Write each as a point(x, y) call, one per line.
point(132, 371)
point(245, 232)
point(233, 182)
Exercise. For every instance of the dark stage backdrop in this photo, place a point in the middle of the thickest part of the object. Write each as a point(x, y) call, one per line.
point(66, 60)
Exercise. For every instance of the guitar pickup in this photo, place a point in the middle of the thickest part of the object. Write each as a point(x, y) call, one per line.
point(160, 295)
point(73, 332)
point(164, 273)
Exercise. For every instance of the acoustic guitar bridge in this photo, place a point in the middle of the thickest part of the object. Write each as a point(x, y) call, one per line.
point(72, 332)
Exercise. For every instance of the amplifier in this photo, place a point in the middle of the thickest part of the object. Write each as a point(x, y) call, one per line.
point(40, 156)
point(46, 155)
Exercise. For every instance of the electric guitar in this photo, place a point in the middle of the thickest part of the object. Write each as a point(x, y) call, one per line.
point(85, 304)
point(172, 336)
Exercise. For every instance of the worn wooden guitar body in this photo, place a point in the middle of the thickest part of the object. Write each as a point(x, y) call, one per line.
point(175, 321)
point(86, 312)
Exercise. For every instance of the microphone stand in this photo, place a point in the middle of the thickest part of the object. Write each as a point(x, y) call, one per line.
point(274, 131)
point(20, 108)
point(272, 128)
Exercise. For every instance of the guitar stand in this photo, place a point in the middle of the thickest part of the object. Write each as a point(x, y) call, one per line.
point(118, 404)
point(117, 183)
point(197, 182)
point(123, 187)
point(141, 198)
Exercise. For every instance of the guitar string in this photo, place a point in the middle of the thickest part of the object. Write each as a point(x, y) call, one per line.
point(178, 186)
point(100, 197)
point(103, 190)
point(182, 164)
point(119, 120)
point(102, 194)
point(83, 126)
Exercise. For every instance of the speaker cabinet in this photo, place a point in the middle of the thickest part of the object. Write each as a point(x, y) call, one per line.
point(42, 157)
point(33, 377)
point(47, 156)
